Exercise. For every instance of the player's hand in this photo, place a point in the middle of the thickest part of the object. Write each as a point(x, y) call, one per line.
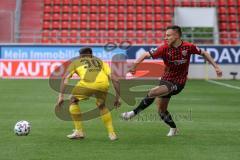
point(218, 71)
point(133, 69)
point(59, 102)
point(117, 102)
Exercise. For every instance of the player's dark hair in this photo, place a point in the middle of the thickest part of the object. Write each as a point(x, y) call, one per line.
point(176, 28)
point(85, 51)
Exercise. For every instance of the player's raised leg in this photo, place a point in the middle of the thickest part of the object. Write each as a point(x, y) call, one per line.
point(147, 101)
point(162, 104)
point(75, 112)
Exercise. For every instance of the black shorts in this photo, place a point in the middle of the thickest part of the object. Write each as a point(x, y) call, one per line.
point(173, 88)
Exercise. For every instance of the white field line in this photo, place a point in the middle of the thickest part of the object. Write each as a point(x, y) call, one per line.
point(224, 84)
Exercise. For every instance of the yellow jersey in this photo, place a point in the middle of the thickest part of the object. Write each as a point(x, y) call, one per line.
point(93, 72)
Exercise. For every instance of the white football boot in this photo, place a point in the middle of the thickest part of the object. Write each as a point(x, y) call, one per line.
point(112, 136)
point(76, 135)
point(173, 132)
point(127, 115)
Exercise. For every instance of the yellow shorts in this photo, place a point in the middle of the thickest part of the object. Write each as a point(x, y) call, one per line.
point(98, 90)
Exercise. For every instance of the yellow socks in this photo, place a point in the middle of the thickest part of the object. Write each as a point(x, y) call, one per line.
point(107, 120)
point(74, 109)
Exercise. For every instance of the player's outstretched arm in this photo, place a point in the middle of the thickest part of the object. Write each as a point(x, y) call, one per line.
point(138, 61)
point(116, 85)
point(217, 68)
point(64, 82)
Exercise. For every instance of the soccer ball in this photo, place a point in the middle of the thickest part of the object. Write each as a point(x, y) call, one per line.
point(22, 128)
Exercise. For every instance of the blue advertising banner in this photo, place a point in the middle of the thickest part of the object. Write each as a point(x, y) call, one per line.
point(221, 54)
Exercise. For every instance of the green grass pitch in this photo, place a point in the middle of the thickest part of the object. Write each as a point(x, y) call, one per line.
point(208, 116)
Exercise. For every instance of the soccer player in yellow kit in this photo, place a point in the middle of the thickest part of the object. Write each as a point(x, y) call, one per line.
point(94, 81)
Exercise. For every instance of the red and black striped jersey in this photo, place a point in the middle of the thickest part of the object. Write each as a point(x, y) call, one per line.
point(176, 60)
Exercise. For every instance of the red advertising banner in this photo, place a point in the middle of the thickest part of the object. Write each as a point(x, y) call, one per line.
point(42, 69)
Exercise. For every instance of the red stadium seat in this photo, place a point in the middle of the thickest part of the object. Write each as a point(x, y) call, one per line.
point(121, 2)
point(93, 9)
point(47, 2)
point(111, 25)
point(112, 9)
point(121, 17)
point(130, 17)
point(233, 26)
point(45, 33)
point(56, 2)
point(223, 26)
point(111, 17)
point(65, 17)
point(64, 40)
point(130, 25)
point(83, 25)
point(141, 34)
point(140, 17)
point(140, 9)
point(234, 34)
point(83, 17)
point(73, 33)
point(75, 2)
point(102, 25)
point(112, 2)
point(66, 2)
point(149, 9)
point(102, 9)
point(167, 17)
point(102, 17)
point(159, 9)
point(56, 9)
point(54, 33)
point(232, 10)
point(224, 34)
point(75, 9)
point(93, 33)
point(64, 33)
point(130, 9)
point(120, 25)
point(47, 9)
point(46, 17)
point(56, 17)
point(45, 40)
point(111, 33)
point(222, 10)
point(149, 2)
point(159, 25)
point(131, 34)
point(84, 2)
point(120, 33)
point(94, 2)
point(84, 33)
point(169, 2)
point(65, 25)
point(130, 2)
point(223, 17)
point(149, 25)
point(46, 25)
point(233, 18)
point(56, 25)
point(168, 10)
point(158, 2)
point(93, 17)
point(66, 9)
point(159, 17)
point(75, 17)
point(84, 9)
point(149, 17)
point(121, 9)
point(140, 2)
point(222, 3)
point(73, 40)
point(159, 34)
point(74, 25)
point(140, 25)
point(149, 34)
point(93, 25)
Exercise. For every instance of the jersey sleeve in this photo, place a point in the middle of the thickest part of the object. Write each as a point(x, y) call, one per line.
point(156, 52)
point(106, 68)
point(195, 50)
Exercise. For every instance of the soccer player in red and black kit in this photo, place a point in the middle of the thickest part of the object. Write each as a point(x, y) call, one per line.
point(176, 57)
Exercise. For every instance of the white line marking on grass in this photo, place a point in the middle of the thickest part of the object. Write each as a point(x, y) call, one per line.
point(224, 84)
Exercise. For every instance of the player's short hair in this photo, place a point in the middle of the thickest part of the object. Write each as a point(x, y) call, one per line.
point(85, 51)
point(176, 28)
